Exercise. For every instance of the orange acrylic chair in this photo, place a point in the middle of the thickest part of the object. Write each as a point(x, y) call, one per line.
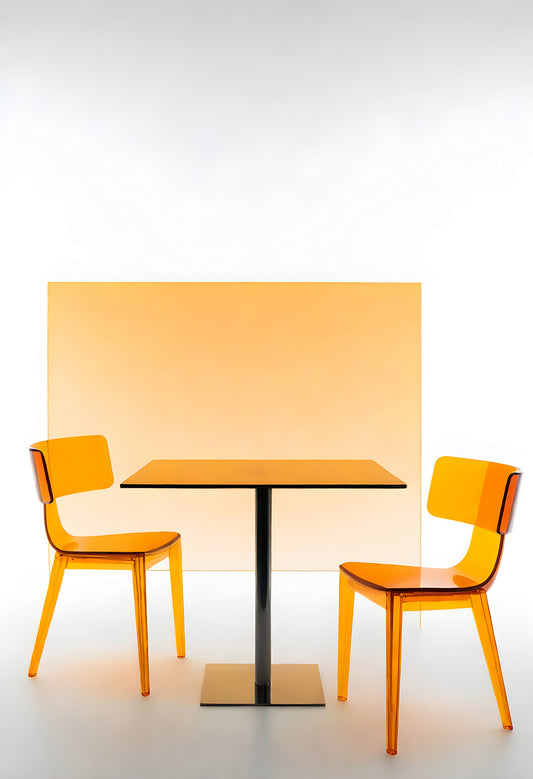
point(479, 493)
point(64, 466)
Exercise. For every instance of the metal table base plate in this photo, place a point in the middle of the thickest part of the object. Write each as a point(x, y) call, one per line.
point(234, 685)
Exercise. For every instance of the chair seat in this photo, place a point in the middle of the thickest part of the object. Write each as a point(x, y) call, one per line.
point(409, 578)
point(120, 543)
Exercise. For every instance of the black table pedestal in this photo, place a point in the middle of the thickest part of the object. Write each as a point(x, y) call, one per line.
point(263, 684)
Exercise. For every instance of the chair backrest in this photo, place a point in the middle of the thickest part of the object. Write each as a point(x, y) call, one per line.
point(64, 466)
point(477, 492)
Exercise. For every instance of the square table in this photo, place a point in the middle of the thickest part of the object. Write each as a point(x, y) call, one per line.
point(263, 684)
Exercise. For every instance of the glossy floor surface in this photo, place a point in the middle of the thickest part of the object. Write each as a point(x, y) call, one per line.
point(83, 715)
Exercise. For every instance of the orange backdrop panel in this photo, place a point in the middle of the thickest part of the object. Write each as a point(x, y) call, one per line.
point(236, 370)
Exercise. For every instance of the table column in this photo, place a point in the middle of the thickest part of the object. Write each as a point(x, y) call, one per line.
point(262, 684)
point(263, 566)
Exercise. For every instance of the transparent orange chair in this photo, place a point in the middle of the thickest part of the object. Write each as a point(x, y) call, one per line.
point(479, 493)
point(65, 466)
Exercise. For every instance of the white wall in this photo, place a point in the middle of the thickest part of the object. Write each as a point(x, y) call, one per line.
point(353, 141)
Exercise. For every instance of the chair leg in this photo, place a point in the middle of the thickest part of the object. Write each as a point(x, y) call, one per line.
point(394, 661)
point(139, 593)
point(346, 603)
point(480, 608)
point(176, 584)
point(56, 577)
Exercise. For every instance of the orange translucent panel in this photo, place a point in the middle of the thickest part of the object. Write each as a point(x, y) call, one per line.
point(173, 370)
point(480, 493)
point(78, 464)
point(470, 491)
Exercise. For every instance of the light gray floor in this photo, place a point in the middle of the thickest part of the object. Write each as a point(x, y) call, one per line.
point(83, 715)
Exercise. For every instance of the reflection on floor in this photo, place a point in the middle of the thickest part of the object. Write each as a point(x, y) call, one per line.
point(83, 715)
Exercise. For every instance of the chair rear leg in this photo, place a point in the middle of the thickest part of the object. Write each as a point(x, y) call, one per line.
point(394, 661)
point(56, 577)
point(480, 608)
point(346, 604)
point(139, 593)
point(176, 584)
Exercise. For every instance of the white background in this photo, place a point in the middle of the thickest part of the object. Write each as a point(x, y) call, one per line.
point(279, 141)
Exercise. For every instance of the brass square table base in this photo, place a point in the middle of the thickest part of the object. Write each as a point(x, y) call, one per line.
point(233, 684)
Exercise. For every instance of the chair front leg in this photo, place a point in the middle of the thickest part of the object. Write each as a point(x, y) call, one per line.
point(139, 593)
point(346, 604)
point(480, 608)
point(54, 585)
point(394, 661)
point(176, 584)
